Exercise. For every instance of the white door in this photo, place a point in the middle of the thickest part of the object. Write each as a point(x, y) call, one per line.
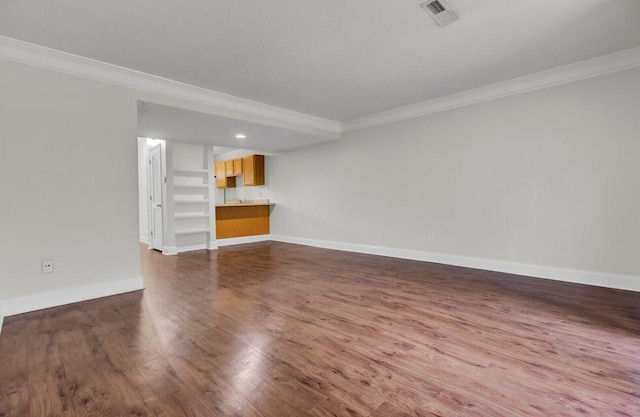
point(155, 199)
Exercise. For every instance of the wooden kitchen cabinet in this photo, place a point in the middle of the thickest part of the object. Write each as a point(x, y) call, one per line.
point(228, 168)
point(218, 169)
point(222, 181)
point(237, 166)
point(253, 170)
point(242, 220)
point(233, 167)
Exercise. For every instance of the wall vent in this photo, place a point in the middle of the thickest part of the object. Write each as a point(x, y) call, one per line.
point(440, 11)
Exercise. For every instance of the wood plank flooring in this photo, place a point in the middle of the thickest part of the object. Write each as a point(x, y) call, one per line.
point(275, 330)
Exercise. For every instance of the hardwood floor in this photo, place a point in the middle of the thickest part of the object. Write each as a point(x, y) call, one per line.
point(273, 329)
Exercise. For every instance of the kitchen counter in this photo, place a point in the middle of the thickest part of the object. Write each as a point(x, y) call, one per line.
point(244, 203)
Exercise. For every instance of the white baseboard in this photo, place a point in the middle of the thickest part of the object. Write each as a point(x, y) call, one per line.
point(600, 279)
point(243, 240)
point(189, 248)
point(35, 302)
point(174, 250)
point(1, 320)
point(169, 250)
point(144, 239)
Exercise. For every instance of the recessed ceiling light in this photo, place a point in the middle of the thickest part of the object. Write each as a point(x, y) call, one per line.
point(240, 136)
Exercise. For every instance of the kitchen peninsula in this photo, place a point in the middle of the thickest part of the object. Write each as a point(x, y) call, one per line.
point(238, 218)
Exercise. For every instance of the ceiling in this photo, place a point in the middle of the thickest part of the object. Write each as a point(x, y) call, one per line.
point(169, 123)
point(334, 59)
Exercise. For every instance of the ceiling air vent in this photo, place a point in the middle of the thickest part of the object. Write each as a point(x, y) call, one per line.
point(440, 11)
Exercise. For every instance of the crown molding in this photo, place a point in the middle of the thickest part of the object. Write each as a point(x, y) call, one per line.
point(603, 65)
point(51, 59)
point(39, 56)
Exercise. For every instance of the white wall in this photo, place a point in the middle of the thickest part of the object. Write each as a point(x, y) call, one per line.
point(68, 186)
point(547, 178)
point(189, 156)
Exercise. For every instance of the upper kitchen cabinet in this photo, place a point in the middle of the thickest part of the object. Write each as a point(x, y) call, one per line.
point(222, 180)
point(228, 168)
point(237, 166)
point(253, 170)
point(233, 167)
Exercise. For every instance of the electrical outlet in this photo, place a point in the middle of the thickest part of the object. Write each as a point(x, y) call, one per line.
point(431, 237)
point(47, 266)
